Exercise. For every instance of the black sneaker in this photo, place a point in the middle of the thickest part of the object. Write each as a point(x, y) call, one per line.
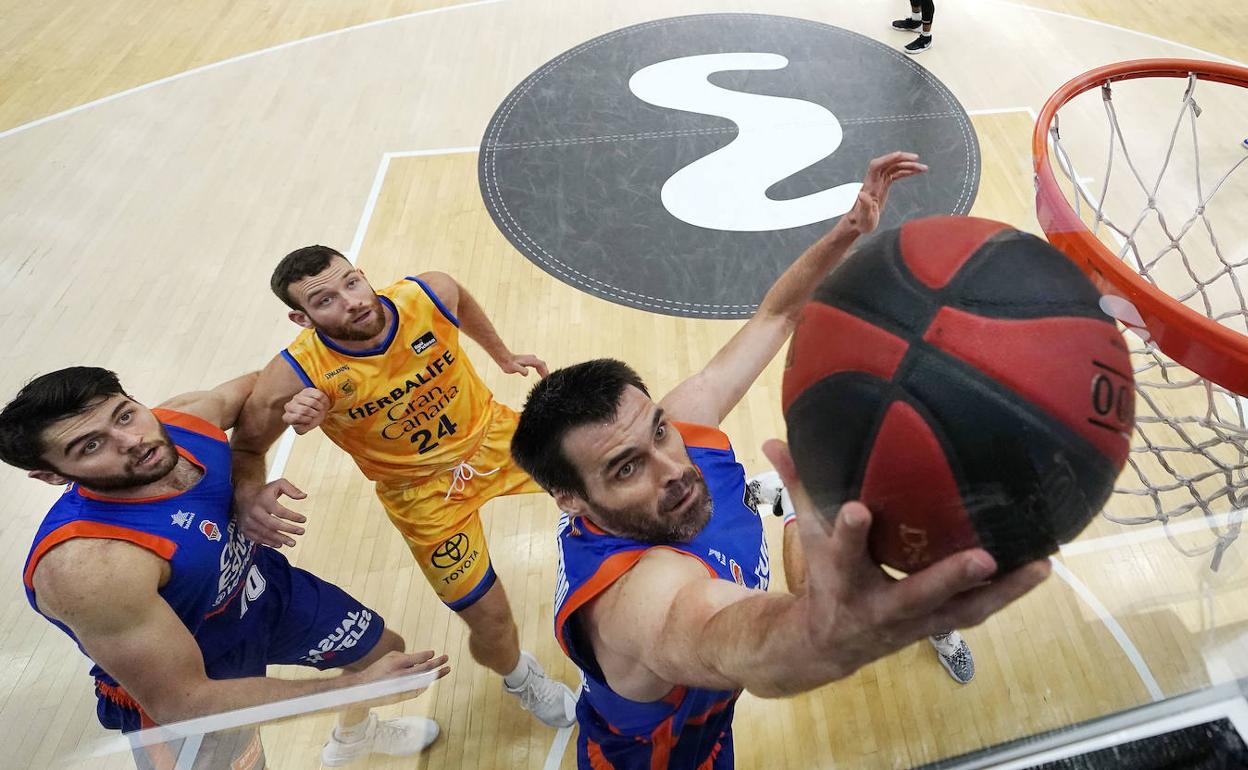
point(907, 25)
point(920, 44)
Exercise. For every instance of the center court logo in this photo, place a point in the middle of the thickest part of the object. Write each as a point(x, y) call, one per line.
point(451, 551)
point(678, 166)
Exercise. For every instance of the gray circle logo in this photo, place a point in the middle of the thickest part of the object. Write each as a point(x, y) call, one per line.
point(679, 166)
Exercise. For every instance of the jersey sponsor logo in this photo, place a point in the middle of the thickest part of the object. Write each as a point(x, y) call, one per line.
point(345, 636)
point(737, 576)
point(235, 561)
point(332, 374)
point(183, 519)
point(455, 552)
point(423, 343)
point(397, 392)
point(210, 530)
point(451, 551)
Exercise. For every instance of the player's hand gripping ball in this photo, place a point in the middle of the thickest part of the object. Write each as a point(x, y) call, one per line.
point(959, 377)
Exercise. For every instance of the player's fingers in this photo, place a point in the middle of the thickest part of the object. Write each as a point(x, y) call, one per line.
point(540, 365)
point(277, 525)
point(279, 512)
point(847, 549)
point(973, 607)
point(288, 489)
point(421, 656)
point(918, 594)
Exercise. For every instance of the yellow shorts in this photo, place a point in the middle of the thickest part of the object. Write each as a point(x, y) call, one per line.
point(440, 519)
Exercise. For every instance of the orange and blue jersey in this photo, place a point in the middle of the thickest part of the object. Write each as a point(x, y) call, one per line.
point(411, 407)
point(689, 727)
point(209, 560)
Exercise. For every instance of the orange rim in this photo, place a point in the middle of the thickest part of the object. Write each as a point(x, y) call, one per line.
point(1201, 344)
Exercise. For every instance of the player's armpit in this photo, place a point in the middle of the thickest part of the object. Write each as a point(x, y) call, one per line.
point(647, 629)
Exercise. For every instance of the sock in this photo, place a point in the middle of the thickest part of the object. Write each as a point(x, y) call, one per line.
point(352, 733)
point(916, 14)
point(926, 34)
point(518, 674)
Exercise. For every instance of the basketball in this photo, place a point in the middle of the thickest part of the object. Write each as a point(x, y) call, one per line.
point(958, 377)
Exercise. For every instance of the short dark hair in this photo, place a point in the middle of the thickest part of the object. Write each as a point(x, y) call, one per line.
point(298, 264)
point(578, 395)
point(45, 400)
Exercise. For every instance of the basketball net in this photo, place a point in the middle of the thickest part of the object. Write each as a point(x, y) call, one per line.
point(1189, 456)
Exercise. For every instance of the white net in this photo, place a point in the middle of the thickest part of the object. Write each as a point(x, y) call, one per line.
point(1188, 464)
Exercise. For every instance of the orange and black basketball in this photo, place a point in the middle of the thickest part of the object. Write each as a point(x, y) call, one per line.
point(959, 378)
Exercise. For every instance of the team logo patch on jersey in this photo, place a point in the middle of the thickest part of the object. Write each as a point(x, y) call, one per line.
point(183, 519)
point(423, 343)
point(210, 530)
point(346, 387)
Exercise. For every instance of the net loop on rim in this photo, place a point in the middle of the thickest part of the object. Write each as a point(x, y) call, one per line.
point(1183, 299)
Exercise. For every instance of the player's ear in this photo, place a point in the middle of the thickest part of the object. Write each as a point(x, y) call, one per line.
point(300, 318)
point(569, 502)
point(49, 477)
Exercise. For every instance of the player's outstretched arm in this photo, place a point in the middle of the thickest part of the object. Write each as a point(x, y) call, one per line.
point(477, 325)
point(256, 504)
point(709, 396)
point(106, 593)
point(668, 623)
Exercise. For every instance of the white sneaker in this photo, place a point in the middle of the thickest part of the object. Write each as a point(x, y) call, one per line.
point(394, 737)
point(548, 700)
point(954, 655)
point(766, 494)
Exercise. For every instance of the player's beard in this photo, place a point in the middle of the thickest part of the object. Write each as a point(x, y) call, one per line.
point(355, 332)
point(664, 526)
point(134, 475)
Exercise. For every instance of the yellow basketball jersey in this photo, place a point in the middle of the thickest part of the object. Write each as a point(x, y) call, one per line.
point(408, 408)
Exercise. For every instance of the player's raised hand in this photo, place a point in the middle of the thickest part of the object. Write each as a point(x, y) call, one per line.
point(520, 364)
point(857, 612)
point(265, 520)
point(306, 410)
point(881, 173)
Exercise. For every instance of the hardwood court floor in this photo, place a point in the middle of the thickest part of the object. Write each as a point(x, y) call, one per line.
point(138, 234)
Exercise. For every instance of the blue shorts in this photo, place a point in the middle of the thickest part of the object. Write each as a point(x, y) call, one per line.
point(283, 616)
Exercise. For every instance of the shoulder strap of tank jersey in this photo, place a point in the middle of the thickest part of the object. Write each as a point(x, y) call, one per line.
point(162, 547)
point(703, 436)
point(289, 358)
point(189, 422)
point(436, 300)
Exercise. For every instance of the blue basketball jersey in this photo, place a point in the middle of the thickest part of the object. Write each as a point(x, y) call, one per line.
point(689, 727)
point(210, 561)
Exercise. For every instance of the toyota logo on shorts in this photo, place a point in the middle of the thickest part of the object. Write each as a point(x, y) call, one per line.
point(451, 551)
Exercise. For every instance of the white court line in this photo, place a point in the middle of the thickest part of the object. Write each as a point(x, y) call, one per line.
point(235, 59)
point(1107, 25)
point(265, 712)
point(559, 744)
point(1001, 110)
point(1085, 593)
point(1148, 534)
point(1111, 625)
